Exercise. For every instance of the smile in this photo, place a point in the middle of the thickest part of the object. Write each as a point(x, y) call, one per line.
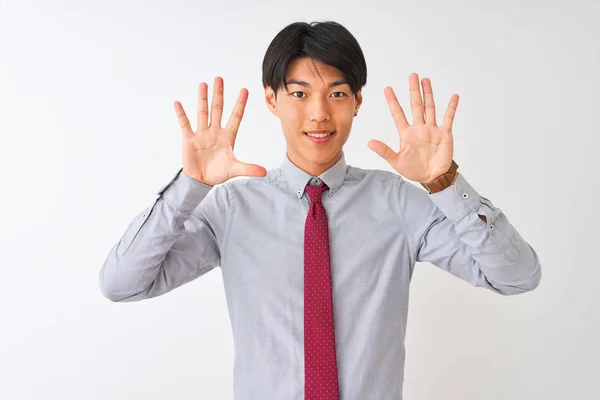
point(319, 137)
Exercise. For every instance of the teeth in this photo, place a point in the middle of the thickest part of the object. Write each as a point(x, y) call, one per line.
point(319, 136)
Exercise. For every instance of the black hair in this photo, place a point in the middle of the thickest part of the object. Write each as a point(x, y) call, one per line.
point(328, 42)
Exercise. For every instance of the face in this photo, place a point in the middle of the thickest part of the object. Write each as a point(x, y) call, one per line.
point(317, 99)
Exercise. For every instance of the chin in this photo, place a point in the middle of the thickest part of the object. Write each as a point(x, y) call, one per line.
point(321, 156)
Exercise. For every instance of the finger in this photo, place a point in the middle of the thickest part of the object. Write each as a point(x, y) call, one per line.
point(238, 112)
point(242, 169)
point(450, 113)
point(383, 150)
point(395, 109)
point(216, 109)
point(416, 101)
point(184, 122)
point(202, 107)
point(429, 103)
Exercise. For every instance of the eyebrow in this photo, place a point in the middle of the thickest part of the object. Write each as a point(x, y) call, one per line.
point(307, 85)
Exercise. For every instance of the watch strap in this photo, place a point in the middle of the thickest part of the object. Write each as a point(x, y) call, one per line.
point(443, 181)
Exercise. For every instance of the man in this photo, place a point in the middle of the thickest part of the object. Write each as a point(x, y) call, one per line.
point(317, 255)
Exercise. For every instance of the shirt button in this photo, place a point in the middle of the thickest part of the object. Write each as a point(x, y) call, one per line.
point(317, 181)
point(465, 196)
point(491, 227)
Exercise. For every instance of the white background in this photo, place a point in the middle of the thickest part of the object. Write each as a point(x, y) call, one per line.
point(89, 135)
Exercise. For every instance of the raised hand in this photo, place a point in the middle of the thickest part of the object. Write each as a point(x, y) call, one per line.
point(426, 150)
point(208, 152)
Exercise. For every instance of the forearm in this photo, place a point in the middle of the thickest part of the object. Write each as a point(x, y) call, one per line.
point(161, 247)
point(506, 260)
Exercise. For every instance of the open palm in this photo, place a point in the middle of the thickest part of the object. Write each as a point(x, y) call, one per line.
point(426, 150)
point(208, 152)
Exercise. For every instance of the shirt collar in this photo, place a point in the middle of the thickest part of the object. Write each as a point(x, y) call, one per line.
point(298, 178)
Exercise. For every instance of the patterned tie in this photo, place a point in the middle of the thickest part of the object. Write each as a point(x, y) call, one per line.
point(321, 380)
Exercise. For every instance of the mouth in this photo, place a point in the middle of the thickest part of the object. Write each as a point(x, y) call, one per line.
point(320, 137)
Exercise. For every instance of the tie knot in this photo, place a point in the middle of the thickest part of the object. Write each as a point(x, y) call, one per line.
point(316, 192)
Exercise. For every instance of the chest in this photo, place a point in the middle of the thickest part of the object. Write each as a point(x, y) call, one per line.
point(265, 248)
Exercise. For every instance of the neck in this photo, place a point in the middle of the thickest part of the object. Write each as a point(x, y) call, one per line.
point(314, 168)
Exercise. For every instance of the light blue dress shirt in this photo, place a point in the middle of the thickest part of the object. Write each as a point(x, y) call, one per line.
point(253, 229)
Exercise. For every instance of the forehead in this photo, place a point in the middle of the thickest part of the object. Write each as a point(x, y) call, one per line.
point(312, 71)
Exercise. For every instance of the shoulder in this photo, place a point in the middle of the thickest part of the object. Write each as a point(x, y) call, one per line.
point(242, 183)
point(402, 192)
point(378, 175)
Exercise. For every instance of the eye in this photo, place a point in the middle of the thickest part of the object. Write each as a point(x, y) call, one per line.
point(341, 94)
point(298, 97)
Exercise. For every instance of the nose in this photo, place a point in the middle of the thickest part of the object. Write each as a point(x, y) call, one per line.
point(319, 110)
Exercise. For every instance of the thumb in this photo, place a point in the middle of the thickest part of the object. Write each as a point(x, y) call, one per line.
point(242, 169)
point(383, 150)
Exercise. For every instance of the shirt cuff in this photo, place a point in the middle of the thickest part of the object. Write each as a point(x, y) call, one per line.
point(184, 192)
point(457, 200)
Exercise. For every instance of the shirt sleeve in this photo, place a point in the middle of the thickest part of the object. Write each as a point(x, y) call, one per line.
point(446, 229)
point(178, 238)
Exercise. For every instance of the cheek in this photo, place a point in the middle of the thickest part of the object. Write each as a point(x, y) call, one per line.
point(344, 119)
point(292, 118)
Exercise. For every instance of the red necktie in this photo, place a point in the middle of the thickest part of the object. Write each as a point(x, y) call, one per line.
point(321, 380)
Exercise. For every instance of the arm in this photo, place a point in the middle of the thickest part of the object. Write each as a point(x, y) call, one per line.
point(456, 229)
point(175, 240)
point(448, 229)
point(181, 236)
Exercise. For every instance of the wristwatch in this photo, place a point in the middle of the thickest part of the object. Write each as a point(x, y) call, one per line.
point(443, 181)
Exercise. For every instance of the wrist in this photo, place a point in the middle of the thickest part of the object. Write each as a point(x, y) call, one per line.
point(444, 181)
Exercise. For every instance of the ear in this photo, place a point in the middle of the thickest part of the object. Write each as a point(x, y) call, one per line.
point(358, 100)
point(271, 100)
